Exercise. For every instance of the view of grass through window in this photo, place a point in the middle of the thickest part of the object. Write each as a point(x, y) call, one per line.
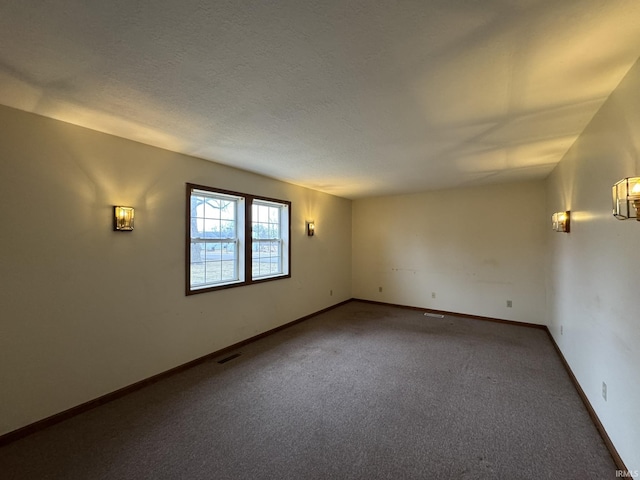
point(266, 240)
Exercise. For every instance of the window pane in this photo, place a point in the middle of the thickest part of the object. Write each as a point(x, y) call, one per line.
point(227, 211)
point(227, 229)
point(228, 269)
point(213, 272)
point(275, 266)
point(197, 273)
point(197, 252)
point(263, 213)
point(274, 215)
point(210, 227)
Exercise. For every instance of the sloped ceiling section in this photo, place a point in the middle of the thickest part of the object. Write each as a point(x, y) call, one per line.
point(354, 98)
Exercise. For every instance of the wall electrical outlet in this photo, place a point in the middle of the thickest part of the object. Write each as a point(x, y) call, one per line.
point(509, 303)
point(561, 330)
point(380, 289)
point(433, 294)
point(331, 293)
point(604, 391)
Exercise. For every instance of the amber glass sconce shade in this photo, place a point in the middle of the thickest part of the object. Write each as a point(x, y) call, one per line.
point(123, 219)
point(311, 228)
point(626, 198)
point(560, 222)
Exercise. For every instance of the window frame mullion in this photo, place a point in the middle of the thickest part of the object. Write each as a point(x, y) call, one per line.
point(248, 240)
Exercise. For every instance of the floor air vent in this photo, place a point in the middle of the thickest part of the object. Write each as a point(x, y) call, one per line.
point(433, 315)
point(229, 358)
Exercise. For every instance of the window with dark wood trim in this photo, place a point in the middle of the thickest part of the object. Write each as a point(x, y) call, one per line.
point(235, 239)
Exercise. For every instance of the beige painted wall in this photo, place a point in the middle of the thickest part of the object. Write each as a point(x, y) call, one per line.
point(594, 271)
point(86, 310)
point(474, 248)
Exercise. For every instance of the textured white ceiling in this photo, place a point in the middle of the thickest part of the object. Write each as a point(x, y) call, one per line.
point(354, 98)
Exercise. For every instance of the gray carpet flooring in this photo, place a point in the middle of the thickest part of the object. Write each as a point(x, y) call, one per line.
point(360, 392)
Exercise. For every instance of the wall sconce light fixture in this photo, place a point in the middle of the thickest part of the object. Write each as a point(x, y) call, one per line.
point(311, 228)
point(561, 221)
point(123, 219)
point(626, 198)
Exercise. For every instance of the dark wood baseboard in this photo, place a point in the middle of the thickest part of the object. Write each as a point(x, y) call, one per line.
point(96, 402)
point(592, 413)
point(463, 315)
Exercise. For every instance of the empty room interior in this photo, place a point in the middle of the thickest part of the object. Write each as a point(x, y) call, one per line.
point(425, 166)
